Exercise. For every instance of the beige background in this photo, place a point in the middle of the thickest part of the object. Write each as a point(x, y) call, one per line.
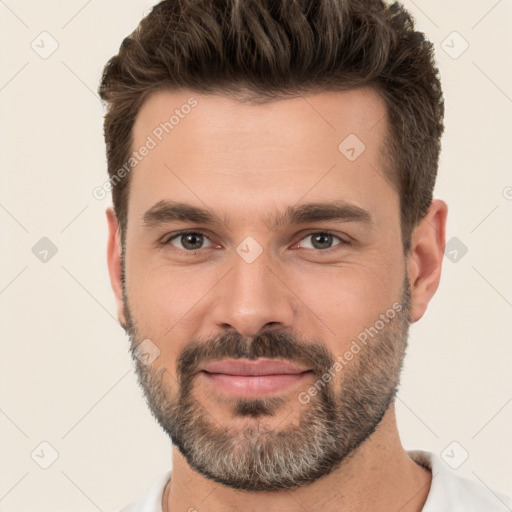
point(66, 375)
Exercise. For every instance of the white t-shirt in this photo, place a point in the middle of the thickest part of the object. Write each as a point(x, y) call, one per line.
point(448, 491)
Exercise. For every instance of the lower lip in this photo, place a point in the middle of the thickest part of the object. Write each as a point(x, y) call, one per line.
point(254, 385)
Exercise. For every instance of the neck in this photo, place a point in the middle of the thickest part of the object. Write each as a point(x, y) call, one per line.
point(377, 477)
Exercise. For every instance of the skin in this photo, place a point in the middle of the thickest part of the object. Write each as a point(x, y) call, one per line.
point(245, 162)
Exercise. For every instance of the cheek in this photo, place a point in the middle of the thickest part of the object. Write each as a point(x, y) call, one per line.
point(159, 296)
point(165, 302)
point(344, 302)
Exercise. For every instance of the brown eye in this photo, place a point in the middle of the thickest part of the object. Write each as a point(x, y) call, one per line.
point(189, 241)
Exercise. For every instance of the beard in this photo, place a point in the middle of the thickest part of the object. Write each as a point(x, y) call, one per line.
point(259, 455)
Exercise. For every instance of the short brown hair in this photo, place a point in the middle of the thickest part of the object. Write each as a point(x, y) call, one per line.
point(264, 50)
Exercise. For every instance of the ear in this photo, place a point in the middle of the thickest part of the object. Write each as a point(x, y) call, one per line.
point(114, 262)
point(426, 257)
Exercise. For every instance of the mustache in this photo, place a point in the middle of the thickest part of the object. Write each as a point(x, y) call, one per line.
point(270, 344)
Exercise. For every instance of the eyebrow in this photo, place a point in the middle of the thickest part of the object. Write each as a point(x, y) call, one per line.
point(313, 212)
point(165, 211)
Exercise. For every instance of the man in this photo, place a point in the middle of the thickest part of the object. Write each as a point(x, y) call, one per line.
point(273, 235)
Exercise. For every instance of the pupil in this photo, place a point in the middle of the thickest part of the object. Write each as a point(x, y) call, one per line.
point(323, 239)
point(189, 239)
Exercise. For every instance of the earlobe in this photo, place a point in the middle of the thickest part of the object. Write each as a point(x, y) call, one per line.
point(426, 258)
point(114, 262)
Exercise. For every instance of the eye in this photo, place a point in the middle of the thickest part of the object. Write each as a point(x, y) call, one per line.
point(321, 240)
point(189, 241)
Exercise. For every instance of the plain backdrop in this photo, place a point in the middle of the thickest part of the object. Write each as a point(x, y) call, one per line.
point(69, 398)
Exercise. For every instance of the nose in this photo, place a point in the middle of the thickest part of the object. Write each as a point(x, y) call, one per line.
point(253, 297)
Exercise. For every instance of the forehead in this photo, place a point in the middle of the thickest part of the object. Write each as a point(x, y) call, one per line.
point(217, 118)
point(213, 150)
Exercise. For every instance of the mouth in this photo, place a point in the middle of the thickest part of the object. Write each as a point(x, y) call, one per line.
point(263, 377)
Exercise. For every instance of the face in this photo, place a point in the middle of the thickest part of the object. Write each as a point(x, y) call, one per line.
point(254, 238)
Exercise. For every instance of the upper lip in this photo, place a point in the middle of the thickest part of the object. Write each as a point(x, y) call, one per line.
point(257, 367)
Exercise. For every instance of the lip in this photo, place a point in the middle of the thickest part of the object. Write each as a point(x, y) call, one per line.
point(258, 378)
point(246, 367)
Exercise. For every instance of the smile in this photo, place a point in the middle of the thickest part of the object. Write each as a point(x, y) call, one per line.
point(253, 385)
point(258, 378)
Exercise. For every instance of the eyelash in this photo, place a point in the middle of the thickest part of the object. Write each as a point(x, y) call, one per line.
point(167, 241)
